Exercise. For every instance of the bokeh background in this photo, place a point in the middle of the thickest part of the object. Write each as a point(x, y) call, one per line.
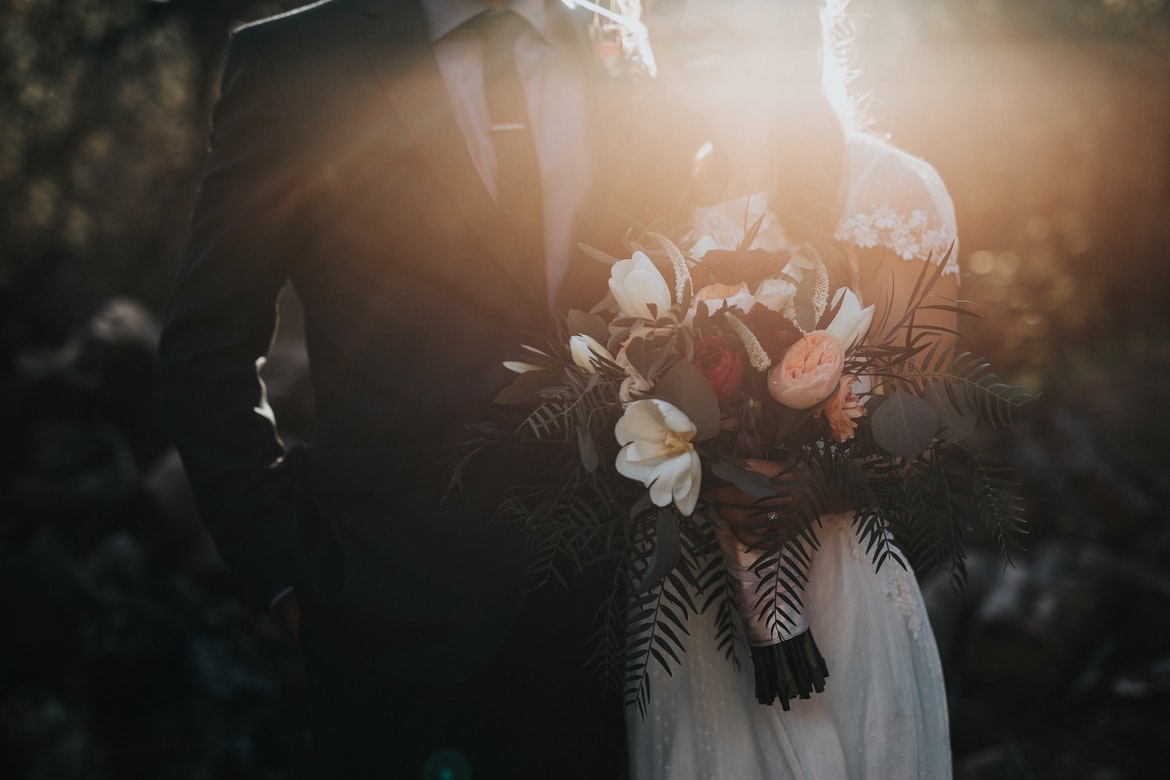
point(126, 651)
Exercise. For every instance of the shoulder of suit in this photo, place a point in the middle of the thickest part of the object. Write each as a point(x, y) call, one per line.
point(310, 22)
point(324, 34)
point(288, 19)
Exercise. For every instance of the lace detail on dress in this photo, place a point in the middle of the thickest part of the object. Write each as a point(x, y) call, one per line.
point(893, 200)
point(910, 237)
point(897, 201)
point(895, 583)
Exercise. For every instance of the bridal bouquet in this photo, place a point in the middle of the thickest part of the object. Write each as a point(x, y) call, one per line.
point(696, 424)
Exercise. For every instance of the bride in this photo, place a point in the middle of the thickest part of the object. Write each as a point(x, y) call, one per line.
point(749, 74)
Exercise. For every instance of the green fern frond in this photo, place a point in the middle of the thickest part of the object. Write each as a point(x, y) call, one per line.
point(931, 503)
point(967, 379)
point(653, 636)
point(996, 500)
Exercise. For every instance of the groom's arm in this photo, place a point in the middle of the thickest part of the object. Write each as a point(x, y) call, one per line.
point(221, 321)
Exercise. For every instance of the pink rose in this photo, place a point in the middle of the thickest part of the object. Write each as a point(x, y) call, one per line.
point(719, 364)
point(842, 410)
point(809, 371)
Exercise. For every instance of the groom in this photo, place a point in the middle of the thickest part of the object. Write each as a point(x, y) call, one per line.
point(359, 151)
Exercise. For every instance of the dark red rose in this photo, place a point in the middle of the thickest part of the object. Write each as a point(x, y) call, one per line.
point(772, 329)
point(719, 364)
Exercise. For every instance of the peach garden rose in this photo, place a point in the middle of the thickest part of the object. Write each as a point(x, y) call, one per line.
point(809, 371)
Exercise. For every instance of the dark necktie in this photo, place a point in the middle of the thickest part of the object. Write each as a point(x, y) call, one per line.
point(518, 190)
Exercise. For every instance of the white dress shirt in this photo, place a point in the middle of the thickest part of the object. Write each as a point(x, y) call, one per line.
point(554, 88)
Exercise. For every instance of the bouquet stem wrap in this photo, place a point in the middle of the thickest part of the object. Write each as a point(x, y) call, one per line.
point(787, 662)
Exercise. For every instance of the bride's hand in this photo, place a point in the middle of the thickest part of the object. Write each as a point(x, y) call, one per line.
point(750, 518)
point(747, 516)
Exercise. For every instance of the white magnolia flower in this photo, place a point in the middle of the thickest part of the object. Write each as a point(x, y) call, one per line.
point(852, 322)
point(637, 285)
point(779, 295)
point(520, 367)
point(657, 451)
point(585, 349)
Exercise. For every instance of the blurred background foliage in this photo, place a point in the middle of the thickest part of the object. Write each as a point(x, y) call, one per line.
point(1049, 121)
point(105, 106)
point(128, 653)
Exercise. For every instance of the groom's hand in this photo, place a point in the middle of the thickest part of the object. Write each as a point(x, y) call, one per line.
point(288, 610)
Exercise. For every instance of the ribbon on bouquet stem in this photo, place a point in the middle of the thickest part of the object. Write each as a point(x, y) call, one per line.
point(785, 656)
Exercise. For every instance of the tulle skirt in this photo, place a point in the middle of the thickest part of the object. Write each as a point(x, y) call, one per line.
point(882, 715)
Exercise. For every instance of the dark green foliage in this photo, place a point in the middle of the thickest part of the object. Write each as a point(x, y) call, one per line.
point(912, 489)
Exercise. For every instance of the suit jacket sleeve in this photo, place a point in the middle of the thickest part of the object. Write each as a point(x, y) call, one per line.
point(222, 318)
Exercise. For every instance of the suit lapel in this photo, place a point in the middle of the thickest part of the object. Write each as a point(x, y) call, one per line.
point(395, 41)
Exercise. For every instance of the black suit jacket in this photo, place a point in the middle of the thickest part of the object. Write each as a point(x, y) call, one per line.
point(336, 164)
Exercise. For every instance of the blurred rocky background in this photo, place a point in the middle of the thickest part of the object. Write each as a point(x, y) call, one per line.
point(128, 652)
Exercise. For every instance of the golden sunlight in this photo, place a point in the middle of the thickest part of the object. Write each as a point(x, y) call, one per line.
point(1050, 125)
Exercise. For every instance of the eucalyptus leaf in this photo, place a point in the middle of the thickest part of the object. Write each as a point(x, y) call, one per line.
point(904, 424)
point(685, 387)
point(526, 386)
point(588, 449)
point(593, 381)
point(597, 254)
point(954, 413)
point(806, 313)
point(663, 352)
point(594, 325)
point(751, 482)
point(667, 549)
point(643, 504)
point(687, 342)
point(639, 355)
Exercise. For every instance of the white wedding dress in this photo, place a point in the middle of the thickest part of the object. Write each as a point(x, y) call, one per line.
point(883, 713)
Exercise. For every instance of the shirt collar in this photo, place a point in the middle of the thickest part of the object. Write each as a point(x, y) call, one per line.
point(443, 16)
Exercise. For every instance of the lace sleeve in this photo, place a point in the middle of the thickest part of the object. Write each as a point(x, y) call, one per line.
point(898, 202)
